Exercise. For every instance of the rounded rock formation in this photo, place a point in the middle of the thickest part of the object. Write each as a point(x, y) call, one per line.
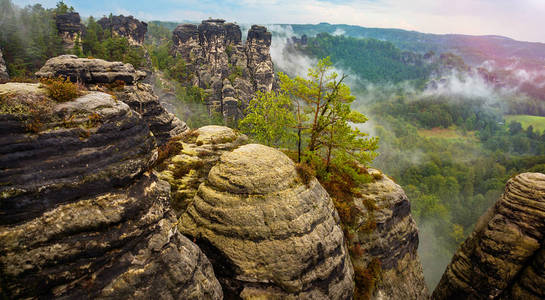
point(268, 234)
point(504, 256)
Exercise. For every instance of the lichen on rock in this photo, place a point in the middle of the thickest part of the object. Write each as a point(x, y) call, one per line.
point(196, 152)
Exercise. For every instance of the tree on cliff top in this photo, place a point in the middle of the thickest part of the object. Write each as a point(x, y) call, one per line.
point(322, 118)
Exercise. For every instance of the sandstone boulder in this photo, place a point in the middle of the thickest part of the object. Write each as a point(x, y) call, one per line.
point(81, 216)
point(504, 256)
point(269, 235)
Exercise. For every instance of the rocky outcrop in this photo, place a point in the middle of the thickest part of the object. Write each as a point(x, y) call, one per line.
point(69, 28)
point(230, 71)
point(128, 27)
point(383, 243)
point(141, 98)
point(504, 256)
point(89, 71)
point(269, 235)
point(81, 217)
point(121, 80)
point(193, 155)
point(4, 76)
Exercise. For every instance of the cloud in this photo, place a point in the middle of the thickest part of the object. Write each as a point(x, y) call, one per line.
point(518, 19)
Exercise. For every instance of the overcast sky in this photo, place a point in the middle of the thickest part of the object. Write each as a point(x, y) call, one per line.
point(519, 19)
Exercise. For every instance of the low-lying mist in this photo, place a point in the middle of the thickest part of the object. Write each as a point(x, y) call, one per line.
point(453, 86)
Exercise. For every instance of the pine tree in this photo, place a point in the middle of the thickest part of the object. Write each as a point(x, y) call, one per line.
point(269, 119)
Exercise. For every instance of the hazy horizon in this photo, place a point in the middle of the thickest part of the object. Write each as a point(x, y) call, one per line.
point(514, 19)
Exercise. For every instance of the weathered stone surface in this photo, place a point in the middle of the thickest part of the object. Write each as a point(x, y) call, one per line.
point(139, 96)
point(69, 28)
point(504, 256)
point(87, 70)
point(387, 234)
point(127, 27)
point(268, 235)
point(4, 76)
point(199, 151)
point(81, 218)
point(223, 65)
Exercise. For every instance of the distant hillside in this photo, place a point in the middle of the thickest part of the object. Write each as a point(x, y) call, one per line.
point(474, 49)
point(371, 59)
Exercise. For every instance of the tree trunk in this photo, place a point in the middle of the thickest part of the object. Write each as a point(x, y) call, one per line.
point(299, 144)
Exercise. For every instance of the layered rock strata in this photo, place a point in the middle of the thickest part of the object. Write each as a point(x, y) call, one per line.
point(89, 71)
point(81, 218)
point(69, 28)
point(384, 242)
point(196, 152)
point(128, 27)
point(504, 256)
point(121, 80)
point(268, 235)
point(4, 76)
point(231, 72)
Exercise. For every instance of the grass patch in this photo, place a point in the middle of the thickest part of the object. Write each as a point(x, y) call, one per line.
point(446, 133)
point(61, 89)
point(527, 120)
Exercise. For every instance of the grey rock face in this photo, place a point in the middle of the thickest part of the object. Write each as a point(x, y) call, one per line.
point(504, 256)
point(268, 235)
point(4, 76)
point(138, 96)
point(69, 28)
point(218, 59)
point(81, 216)
point(387, 234)
point(127, 27)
